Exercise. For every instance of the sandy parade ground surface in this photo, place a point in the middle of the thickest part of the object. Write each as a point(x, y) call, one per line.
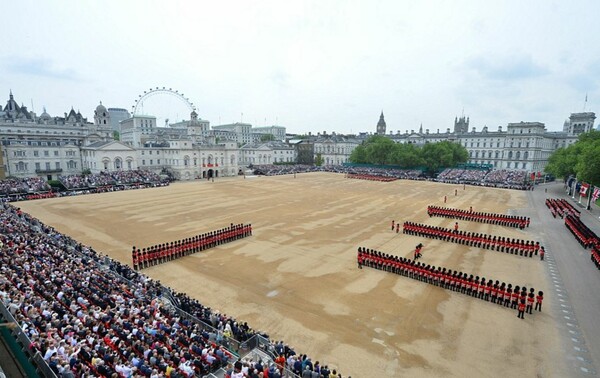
point(297, 279)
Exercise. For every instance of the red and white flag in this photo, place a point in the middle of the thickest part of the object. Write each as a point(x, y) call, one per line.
point(584, 189)
point(596, 194)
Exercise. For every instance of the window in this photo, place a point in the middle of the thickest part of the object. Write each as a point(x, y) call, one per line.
point(55, 153)
point(48, 166)
point(37, 166)
point(57, 165)
point(143, 162)
point(46, 153)
point(524, 165)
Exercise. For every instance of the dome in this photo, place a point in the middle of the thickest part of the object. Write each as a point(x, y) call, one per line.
point(101, 109)
point(45, 116)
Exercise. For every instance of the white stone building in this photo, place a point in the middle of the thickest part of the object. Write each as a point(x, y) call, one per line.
point(45, 146)
point(334, 149)
point(277, 131)
point(258, 153)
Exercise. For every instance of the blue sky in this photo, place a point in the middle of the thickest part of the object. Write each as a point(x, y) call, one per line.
point(311, 65)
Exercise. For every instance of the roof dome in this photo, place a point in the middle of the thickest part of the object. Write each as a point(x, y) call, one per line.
point(45, 116)
point(100, 109)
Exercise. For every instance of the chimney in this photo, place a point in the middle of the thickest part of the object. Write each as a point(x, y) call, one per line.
point(426, 131)
point(473, 130)
point(438, 131)
point(412, 131)
point(500, 128)
point(448, 131)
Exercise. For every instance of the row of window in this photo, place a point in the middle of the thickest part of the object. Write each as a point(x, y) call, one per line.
point(498, 154)
point(330, 149)
point(514, 165)
point(36, 153)
point(22, 166)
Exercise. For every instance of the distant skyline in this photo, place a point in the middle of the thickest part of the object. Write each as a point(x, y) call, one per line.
point(309, 66)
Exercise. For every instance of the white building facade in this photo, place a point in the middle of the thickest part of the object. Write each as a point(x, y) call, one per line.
point(45, 146)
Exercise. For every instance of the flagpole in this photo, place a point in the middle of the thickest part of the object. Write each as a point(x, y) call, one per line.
point(590, 193)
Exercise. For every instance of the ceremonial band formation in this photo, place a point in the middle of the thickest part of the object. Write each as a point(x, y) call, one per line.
point(161, 253)
point(501, 293)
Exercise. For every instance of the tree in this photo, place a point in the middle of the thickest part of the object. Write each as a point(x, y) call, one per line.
point(442, 155)
point(581, 159)
point(406, 155)
point(267, 137)
point(116, 135)
point(319, 160)
point(359, 155)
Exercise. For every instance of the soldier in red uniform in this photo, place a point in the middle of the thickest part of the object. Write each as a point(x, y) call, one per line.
point(530, 300)
point(521, 309)
point(538, 300)
point(542, 253)
point(393, 225)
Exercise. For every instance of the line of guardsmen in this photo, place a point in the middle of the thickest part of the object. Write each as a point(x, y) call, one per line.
point(596, 255)
point(584, 236)
point(469, 215)
point(161, 253)
point(488, 290)
point(495, 243)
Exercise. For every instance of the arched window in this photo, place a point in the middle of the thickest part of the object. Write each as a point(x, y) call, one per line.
point(118, 164)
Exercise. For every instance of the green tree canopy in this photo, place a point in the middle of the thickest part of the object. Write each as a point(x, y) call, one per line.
point(381, 150)
point(267, 138)
point(581, 159)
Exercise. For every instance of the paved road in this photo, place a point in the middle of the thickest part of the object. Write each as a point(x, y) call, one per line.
point(575, 280)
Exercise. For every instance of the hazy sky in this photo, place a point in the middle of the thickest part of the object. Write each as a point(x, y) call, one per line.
point(310, 66)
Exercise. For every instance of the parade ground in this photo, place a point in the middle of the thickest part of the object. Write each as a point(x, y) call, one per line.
point(297, 279)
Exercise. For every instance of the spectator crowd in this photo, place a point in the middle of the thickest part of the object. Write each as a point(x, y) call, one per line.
point(91, 316)
point(498, 178)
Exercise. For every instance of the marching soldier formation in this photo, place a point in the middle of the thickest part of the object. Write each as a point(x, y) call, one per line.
point(165, 252)
point(500, 293)
point(491, 218)
point(495, 243)
point(494, 291)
